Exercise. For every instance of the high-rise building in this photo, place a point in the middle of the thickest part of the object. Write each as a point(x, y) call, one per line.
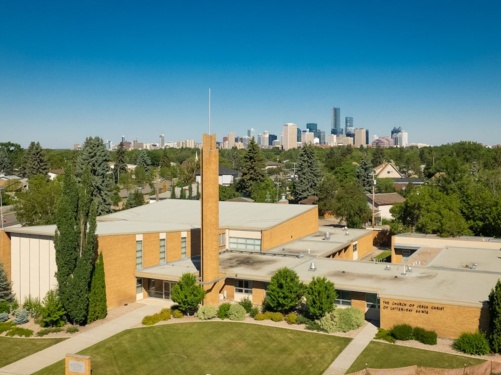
point(312, 127)
point(349, 128)
point(289, 136)
point(307, 137)
point(265, 139)
point(360, 137)
point(320, 134)
point(336, 121)
point(272, 138)
point(250, 133)
point(162, 141)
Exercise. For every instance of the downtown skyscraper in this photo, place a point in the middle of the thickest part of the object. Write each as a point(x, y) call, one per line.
point(336, 122)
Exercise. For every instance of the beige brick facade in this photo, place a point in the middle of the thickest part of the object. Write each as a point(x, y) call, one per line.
point(446, 320)
point(297, 227)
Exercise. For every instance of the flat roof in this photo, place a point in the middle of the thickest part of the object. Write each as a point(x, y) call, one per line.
point(182, 215)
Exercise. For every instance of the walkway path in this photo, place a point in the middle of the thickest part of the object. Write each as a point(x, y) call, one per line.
point(55, 353)
point(344, 360)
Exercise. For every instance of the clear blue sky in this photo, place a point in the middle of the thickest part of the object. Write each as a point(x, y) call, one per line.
point(72, 69)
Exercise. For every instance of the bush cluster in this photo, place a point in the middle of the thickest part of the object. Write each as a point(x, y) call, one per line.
point(18, 331)
point(33, 306)
point(327, 323)
point(472, 343)
point(402, 332)
point(6, 326)
point(206, 312)
point(177, 314)
point(406, 332)
point(236, 312)
point(253, 312)
point(4, 316)
point(150, 320)
point(349, 319)
point(424, 336)
point(72, 329)
point(246, 303)
point(291, 318)
point(4, 307)
point(385, 334)
point(224, 310)
point(269, 315)
point(46, 331)
point(21, 316)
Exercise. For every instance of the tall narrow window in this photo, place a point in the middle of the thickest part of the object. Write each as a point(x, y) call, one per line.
point(183, 247)
point(139, 255)
point(162, 250)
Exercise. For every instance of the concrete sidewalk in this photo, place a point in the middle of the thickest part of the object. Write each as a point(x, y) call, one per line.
point(344, 360)
point(47, 357)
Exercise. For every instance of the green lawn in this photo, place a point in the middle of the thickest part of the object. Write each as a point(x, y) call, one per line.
point(14, 349)
point(381, 355)
point(212, 348)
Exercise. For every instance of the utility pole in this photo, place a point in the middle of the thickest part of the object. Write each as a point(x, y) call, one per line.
point(373, 198)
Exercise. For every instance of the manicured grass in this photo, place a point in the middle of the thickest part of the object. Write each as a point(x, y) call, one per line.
point(14, 349)
point(385, 254)
point(381, 355)
point(212, 348)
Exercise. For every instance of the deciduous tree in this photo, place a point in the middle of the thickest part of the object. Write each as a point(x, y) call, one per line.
point(320, 297)
point(284, 292)
point(350, 204)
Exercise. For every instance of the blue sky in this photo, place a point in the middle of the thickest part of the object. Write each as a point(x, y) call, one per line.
point(71, 69)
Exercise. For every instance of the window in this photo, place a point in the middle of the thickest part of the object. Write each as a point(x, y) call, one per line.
point(139, 255)
point(139, 286)
point(183, 247)
point(222, 239)
point(372, 301)
point(243, 286)
point(249, 244)
point(162, 250)
point(343, 298)
point(355, 247)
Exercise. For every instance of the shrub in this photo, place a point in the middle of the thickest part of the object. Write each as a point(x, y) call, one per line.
point(177, 314)
point(327, 323)
point(4, 316)
point(246, 303)
point(18, 331)
point(402, 332)
point(53, 313)
point(384, 334)
point(284, 291)
point(187, 293)
point(253, 312)
point(6, 326)
point(349, 319)
point(320, 297)
point(33, 306)
point(164, 314)
point(472, 343)
point(150, 320)
point(224, 310)
point(314, 325)
point(291, 318)
point(46, 331)
point(276, 316)
point(21, 316)
point(72, 329)
point(206, 312)
point(424, 336)
point(261, 316)
point(301, 319)
point(5, 307)
point(236, 312)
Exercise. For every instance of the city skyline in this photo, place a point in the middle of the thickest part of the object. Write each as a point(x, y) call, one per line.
point(70, 71)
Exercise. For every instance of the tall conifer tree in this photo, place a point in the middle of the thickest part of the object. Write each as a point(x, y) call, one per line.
point(97, 296)
point(120, 163)
point(6, 294)
point(308, 174)
point(35, 161)
point(252, 169)
point(495, 318)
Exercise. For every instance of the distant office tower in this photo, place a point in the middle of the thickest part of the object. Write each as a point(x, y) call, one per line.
point(400, 137)
point(298, 134)
point(272, 138)
point(395, 130)
point(265, 139)
point(384, 141)
point(360, 137)
point(331, 140)
point(312, 127)
point(289, 136)
point(307, 137)
point(336, 121)
point(231, 139)
point(162, 141)
point(109, 145)
point(349, 128)
point(250, 132)
point(123, 138)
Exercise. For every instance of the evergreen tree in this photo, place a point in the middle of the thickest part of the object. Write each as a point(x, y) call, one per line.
point(495, 318)
point(95, 157)
point(35, 161)
point(378, 156)
point(190, 191)
point(52, 314)
point(198, 191)
point(143, 160)
point(165, 161)
point(5, 162)
point(6, 294)
point(308, 174)
point(135, 199)
point(365, 175)
point(172, 191)
point(97, 297)
point(320, 297)
point(252, 168)
point(121, 163)
point(76, 245)
point(182, 195)
point(284, 292)
point(187, 294)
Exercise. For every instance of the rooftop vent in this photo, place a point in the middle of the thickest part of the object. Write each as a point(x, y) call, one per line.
point(312, 267)
point(327, 235)
point(387, 268)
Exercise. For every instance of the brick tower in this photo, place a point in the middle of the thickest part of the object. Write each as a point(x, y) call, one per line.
point(210, 219)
